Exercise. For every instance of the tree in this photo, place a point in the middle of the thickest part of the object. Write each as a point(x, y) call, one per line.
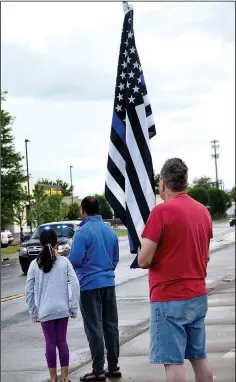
point(200, 194)
point(12, 175)
point(205, 182)
point(232, 194)
point(45, 209)
point(105, 209)
point(19, 210)
point(74, 211)
point(156, 183)
point(218, 202)
point(66, 189)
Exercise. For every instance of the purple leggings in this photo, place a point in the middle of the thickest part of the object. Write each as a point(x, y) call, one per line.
point(55, 337)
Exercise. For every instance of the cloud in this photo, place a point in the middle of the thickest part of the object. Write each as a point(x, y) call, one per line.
point(61, 83)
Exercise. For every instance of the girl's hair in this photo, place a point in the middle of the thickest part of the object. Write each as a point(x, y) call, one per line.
point(47, 255)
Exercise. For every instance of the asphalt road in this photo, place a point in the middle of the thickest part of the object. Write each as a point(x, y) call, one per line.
point(13, 281)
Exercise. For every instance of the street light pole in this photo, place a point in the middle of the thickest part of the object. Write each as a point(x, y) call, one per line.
point(71, 183)
point(28, 182)
point(215, 146)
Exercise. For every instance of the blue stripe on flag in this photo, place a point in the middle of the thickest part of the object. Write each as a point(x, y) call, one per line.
point(142, 80)
point(118, 126)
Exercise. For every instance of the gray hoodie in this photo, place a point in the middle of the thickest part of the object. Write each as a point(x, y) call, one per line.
point(47, 294)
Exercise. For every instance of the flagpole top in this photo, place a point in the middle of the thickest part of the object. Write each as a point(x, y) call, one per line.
point(126, 7)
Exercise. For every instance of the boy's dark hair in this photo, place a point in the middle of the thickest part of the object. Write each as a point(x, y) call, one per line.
point(90, 205)
point(47, 256)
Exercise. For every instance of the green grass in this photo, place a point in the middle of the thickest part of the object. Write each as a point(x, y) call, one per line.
point(10, 249)
point(121, 232)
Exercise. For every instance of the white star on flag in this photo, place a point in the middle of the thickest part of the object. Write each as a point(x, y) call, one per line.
point(131, 99)
point(121, 86)
point(118, 108)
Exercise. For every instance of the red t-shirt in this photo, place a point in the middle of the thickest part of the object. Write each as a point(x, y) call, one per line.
point(182, 228)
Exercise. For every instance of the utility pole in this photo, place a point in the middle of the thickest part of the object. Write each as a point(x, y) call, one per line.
point(28, 181)
point(71, 183)
point(215, 155)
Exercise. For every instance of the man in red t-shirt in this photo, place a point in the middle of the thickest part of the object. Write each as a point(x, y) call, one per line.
point(175, 248)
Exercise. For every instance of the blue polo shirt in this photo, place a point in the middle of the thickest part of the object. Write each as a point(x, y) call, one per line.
point(95, 254)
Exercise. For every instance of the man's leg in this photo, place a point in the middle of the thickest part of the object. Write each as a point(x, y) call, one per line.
point(110, 328)
point(91, 310)
point(168, 337)
point(202, 369)
point(175, 373)
point(196, 343)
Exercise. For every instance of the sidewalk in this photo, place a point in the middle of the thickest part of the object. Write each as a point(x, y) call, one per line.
point(220, 324)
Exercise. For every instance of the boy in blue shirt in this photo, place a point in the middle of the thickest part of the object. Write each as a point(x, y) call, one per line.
point(95, 255)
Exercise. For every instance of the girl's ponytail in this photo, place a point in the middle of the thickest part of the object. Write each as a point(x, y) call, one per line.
point(47, 255)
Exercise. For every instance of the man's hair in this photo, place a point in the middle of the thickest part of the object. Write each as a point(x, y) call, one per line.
point(90, 205)
point(175, 174)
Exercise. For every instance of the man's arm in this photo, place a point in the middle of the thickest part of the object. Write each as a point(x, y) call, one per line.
point(145, 258)
point(78, 249)
point(116, 253)
point(151, 237)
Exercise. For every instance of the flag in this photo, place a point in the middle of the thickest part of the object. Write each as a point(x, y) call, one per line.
point(129, 187)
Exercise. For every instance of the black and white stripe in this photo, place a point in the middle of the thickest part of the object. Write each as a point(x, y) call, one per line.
point(129, 181)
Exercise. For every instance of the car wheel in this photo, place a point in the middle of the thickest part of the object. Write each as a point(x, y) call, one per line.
point(4, 245)
point(25, 269)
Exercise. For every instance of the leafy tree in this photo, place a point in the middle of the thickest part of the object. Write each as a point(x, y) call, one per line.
point(74, 211)
point(45, 209)
point(156, 183)
point(105, 209)
point(200, 194)
point(12, 175)
point(232, 194)
point(19, 209)
point(205, 182)
point(218, 202)
point(66, 189)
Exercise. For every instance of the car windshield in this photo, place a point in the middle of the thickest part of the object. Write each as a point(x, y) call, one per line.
point(62, 230)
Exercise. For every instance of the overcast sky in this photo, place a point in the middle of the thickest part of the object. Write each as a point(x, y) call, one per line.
point(59, 63)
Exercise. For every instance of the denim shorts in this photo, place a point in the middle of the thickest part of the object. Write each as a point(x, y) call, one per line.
point(177, 331)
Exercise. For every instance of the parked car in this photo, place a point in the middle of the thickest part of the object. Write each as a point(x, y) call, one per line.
point(10, 236)
point(30, 249)
point(4, 239)
point(232, 221)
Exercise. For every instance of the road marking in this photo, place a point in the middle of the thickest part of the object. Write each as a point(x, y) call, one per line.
point(230, 354)
point(6, 277)
point(15, 297)
point(6, 265)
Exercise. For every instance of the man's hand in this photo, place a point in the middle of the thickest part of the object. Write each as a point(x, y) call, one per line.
point(145, 258)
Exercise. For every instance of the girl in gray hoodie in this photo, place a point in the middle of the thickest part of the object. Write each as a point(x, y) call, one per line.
point(47, 297)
